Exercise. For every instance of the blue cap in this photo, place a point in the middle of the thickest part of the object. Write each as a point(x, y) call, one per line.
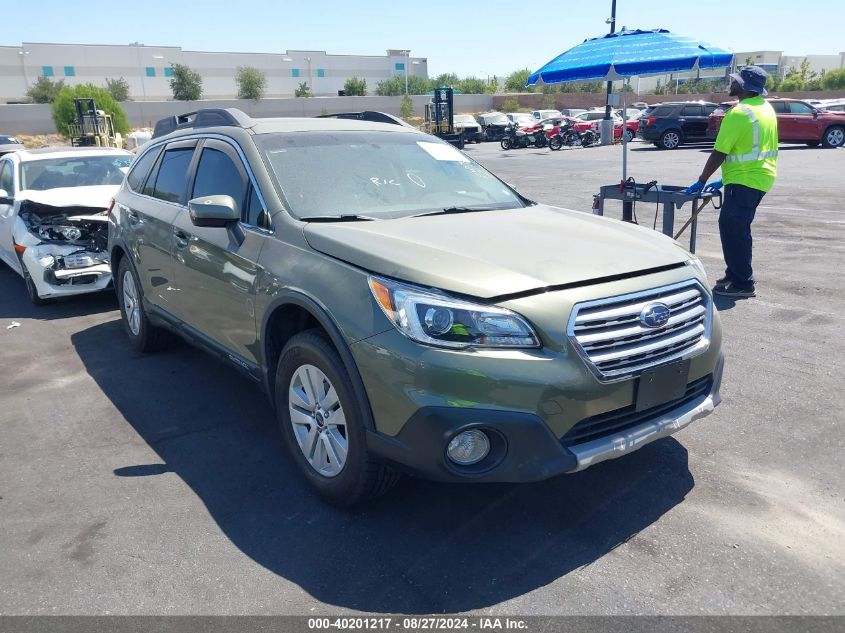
point(752, 79)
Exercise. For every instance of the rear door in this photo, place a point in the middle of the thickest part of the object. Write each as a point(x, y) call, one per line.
point(148, 215)
point(693, 122)
point(215, 267)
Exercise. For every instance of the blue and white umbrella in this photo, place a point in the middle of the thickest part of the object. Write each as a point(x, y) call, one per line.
point(630, 53)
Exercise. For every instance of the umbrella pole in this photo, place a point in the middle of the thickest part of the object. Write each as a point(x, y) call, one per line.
point(625, 129)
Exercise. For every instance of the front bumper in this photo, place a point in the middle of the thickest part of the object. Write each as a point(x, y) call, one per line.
point(523, 448)
point(50, 282)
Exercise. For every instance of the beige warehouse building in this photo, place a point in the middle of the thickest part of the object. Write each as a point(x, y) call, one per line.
point(147, 69)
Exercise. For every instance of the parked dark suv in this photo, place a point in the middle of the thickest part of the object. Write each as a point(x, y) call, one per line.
point(670, 125)
point(405, 309)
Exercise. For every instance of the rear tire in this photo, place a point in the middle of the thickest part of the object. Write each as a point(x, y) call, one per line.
point(505, 143)
point(555, 143)
point(322, 423)
point(834, 136)
point(143, 335)
point(670, 139)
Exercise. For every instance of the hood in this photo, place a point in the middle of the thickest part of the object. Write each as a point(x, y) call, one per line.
point(96, 197)
point(495, 253)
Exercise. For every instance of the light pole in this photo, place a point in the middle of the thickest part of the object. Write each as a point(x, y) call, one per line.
point(23, 55)
point(310, 79)
point(407, 59)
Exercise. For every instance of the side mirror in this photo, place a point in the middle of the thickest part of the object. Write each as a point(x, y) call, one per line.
point(5, 198)
point(815, 113)
point(214, 211)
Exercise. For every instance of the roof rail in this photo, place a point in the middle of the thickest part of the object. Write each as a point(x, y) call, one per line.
point(207, 117)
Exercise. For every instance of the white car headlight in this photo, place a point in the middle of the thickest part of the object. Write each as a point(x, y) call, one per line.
point(433, 319)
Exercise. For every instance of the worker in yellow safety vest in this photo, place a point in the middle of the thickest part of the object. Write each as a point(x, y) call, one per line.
point(747, 151)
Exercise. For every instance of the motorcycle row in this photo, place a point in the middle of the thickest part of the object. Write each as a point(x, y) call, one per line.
point(564, 135)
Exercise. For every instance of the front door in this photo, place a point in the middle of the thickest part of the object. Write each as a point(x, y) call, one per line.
point(215, 267)
point(7, 215)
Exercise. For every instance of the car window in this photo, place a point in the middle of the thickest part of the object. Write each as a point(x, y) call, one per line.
point(709, 109)
point(780, 107)
point(217, 175)
point(6, 177)
point(75, 171)
point(170, 182)
point(139, 171)
point(255, 215)
point(798, 107)
point(663, 111)
point(378, 174)
point(691, 110)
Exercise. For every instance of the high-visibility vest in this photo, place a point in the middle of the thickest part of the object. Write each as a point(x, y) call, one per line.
point(749, 138)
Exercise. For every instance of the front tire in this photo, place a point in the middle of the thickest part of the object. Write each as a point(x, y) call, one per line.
point(322, 423)
point(555, 143)
point(505, 143)
point(670, 139)
point(143, 335)
point(31, 290)
point(834, 136)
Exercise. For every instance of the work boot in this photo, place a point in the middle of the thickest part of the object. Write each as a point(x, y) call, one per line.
point(722, 283)
point(732, 290)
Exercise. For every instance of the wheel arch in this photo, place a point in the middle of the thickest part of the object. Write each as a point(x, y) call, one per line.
point(290, 313)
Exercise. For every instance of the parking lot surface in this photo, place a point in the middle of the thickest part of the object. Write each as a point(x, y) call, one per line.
point(157, 484)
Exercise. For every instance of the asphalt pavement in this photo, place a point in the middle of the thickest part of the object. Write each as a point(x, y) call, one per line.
point(157, 484)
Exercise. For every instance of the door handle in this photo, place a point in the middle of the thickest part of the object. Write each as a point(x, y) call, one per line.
point(181, 238)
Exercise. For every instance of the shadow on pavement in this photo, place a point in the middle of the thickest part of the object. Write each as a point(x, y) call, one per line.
point(423, 548)
point(16, 304)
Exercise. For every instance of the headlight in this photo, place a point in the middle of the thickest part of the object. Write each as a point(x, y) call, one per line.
point(434, 319)
point(698, 266)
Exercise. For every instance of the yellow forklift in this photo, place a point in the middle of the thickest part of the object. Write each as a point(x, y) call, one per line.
point(440, 118)
point(92, 127)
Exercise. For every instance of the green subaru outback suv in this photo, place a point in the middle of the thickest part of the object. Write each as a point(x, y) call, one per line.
point(404, 309)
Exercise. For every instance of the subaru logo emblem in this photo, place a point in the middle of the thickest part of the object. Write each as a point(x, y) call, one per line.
point(655, 315)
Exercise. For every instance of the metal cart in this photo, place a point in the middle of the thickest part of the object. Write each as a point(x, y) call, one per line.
point(670, 196)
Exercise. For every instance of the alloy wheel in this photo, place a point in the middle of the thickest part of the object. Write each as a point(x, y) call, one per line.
point(131, 305)
point(318, 421)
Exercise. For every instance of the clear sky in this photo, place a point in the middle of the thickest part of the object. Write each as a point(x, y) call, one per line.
point(477, 38)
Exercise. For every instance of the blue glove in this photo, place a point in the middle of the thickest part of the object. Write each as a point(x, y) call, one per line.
point(694, 189)
point(713, 187)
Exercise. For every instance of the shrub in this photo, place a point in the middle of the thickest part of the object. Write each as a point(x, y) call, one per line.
point(355, 87)
point(118, 89)
point(186, 84)
point(406, 109)
point(251, 83)
point(44, 90)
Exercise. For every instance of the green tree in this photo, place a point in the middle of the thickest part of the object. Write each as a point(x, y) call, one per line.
point(492, 86)
point(446, 80)
point(44, 90)
point(252, 83)
point(395, 86)
point(515, 82)
point(64, 110)
point(355, 87)
point(186, 84)
point(118, 89)
point(303, 90)
point(406, 108)
point(593, 86)
point(471, 86)
point(834, 79)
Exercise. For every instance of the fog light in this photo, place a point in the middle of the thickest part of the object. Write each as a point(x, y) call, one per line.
point(468, 447)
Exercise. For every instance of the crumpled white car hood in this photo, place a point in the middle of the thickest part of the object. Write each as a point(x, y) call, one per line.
point(96, 196)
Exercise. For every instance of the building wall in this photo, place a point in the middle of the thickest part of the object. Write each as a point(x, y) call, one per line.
point(147, 69)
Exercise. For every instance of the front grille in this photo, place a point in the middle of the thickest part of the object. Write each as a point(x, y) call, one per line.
point(615, 344)
point(620, 420)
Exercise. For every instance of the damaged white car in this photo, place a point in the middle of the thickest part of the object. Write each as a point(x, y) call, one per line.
point(53, 217)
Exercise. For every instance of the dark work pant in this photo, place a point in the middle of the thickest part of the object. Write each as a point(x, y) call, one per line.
point(738, 209)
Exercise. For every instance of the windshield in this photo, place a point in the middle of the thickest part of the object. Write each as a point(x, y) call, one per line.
point(82, 171)
point(377, 174)
point(496, 118)
point(465, 118)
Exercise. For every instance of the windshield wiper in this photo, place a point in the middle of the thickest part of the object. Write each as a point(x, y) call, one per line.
point(350, 217)
point(450, 210)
